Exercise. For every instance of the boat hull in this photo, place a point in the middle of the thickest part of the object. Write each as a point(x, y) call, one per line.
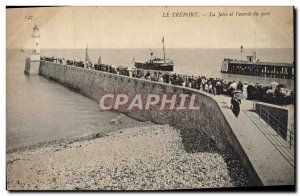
point(154, 67)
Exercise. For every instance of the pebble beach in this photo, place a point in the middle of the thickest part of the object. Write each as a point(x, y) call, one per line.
point(145, 157)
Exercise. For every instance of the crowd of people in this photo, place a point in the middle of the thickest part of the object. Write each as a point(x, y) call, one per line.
point(275, 94)
point(63, 61)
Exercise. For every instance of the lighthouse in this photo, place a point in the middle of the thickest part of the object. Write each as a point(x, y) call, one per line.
point(32, 64)
point(35, 55)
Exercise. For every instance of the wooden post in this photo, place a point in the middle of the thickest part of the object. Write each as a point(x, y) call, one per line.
point(278, 128)
point(265, 71)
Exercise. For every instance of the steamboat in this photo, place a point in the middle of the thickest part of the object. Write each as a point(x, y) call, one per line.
point(156, 64)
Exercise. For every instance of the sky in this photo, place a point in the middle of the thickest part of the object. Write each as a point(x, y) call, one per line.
point(144, 27)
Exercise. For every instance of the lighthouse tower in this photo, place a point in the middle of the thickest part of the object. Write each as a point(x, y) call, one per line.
point(36, 44)
point(32, 65)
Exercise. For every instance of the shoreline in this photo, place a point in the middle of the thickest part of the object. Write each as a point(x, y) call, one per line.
point(70, 140)
point(150, 157)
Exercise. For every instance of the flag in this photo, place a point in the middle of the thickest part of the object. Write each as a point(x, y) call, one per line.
point(163, 39)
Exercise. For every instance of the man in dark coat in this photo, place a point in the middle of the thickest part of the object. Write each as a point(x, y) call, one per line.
point(250, 92)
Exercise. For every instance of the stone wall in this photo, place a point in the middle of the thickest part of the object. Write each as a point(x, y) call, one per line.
point(209, 119)
point(93, 84)
point(32, 67)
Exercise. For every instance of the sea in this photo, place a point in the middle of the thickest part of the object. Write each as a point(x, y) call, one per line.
point(40, 110)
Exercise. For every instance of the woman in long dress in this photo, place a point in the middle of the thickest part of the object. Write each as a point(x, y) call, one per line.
point(235, 105)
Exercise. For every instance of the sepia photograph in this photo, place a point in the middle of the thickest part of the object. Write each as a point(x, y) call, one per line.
point(150, 98)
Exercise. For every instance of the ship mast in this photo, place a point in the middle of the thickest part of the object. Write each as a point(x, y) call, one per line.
point(255, 41)
point(163, 42)
point(254, 52)
point(87, 58)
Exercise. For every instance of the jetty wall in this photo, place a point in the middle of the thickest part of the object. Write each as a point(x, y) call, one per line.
point(209, 119)
point(32, 67)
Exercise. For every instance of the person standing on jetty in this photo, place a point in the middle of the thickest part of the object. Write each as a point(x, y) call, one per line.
point(236, 102)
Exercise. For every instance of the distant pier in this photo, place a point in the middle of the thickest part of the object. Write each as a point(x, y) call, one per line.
point(254, 67)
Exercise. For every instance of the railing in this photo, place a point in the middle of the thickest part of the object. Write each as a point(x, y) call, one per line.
point(274, 122)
